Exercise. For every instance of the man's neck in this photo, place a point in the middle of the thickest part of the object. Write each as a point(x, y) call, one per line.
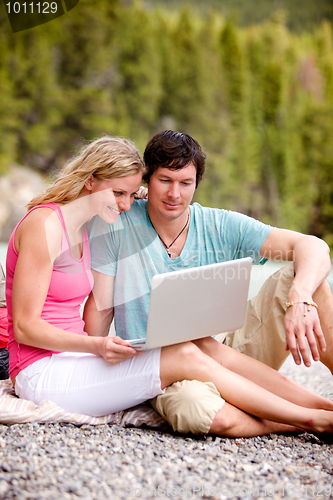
point(167, 228)
point(171, 231)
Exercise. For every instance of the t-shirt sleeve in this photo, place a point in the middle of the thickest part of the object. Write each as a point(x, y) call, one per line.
point(244, 236)
point(103, 246)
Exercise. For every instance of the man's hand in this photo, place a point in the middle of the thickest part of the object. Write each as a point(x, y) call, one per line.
point(142, 193)
point(302, 323)
point(312, 265)
point(115, 350)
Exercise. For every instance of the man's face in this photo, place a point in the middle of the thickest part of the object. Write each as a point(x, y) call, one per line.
point(171, 191)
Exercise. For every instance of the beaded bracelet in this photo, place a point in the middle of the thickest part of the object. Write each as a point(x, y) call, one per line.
point(306, 303)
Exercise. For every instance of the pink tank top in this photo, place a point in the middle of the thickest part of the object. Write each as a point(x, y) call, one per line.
point(70, 284)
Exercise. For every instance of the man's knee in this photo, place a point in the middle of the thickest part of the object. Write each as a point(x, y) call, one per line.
point(189, 406)
point(221, 423)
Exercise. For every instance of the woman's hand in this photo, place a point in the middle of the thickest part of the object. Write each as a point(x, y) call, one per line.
point(115, 350)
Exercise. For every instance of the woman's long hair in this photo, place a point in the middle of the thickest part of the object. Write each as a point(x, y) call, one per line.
point(104, 158)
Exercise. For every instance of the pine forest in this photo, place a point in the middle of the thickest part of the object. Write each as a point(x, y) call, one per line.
point(257, 96)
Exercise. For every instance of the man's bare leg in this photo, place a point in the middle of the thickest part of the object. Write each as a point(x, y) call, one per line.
point(262, 375)
point(280, 384)
point(187, 362)
point(232, 422)
point(324, 298)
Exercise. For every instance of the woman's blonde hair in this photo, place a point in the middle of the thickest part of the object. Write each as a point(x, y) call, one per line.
point(104, 158)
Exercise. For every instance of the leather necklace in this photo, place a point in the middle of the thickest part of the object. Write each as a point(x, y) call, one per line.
point(167, 247)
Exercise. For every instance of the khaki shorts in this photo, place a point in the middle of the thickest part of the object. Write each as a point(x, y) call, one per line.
point(191, 406)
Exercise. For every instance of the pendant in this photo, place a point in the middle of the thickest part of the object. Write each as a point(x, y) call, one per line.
point(168, 252)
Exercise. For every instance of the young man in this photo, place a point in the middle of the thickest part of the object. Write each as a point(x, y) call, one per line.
point(165, 233)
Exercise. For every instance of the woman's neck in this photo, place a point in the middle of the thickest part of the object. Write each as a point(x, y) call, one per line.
point(75, 215)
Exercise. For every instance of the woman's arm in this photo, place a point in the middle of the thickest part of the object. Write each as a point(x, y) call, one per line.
point(38, 248)
point(98, 309)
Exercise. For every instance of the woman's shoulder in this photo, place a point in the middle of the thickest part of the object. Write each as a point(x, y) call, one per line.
point(40, 218)
point(39, 224)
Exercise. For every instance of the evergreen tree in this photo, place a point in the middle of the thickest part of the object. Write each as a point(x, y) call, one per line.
point(137, 87)
point(8, 111)
point(258, 99)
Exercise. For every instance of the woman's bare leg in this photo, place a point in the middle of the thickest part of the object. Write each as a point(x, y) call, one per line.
point(187, 361)
point(262, 375)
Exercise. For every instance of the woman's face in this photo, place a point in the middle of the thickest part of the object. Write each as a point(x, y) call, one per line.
point(110, 197)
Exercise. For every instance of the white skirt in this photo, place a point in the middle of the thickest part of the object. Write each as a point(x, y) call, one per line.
point(87, 384)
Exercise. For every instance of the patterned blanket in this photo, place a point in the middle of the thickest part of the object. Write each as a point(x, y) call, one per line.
point(14, 410)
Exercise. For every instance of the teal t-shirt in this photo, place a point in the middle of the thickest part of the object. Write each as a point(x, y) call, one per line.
point(131, 251)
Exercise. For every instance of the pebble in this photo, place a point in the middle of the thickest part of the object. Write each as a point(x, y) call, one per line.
point(63, 461)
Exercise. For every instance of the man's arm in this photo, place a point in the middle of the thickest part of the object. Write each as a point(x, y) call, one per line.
point(312, 265)
point(98, 309)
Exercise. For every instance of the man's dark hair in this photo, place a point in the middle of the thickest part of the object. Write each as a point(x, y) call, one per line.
point(173, 150)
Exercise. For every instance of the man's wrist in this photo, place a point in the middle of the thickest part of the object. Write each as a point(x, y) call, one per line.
point(307, 303)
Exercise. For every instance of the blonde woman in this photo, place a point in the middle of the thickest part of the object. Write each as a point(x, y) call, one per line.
point(49, 276)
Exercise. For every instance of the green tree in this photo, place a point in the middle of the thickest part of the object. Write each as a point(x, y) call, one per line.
point(137, 80)
point(8, 110)
point(34, 90)
point(85, 65)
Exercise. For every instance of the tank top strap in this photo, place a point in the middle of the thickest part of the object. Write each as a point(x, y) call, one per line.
point(57, 209)
point(85, 236)
point(65, 244)
point(51, 205)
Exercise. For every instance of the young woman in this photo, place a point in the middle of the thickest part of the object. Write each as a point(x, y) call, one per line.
point(51, 356)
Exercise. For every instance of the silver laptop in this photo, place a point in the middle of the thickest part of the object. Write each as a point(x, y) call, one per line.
point(189, 304)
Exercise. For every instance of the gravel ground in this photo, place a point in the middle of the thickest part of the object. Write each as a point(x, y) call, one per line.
point(62, 461)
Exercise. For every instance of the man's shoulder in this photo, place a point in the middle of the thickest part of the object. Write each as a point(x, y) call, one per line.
point(220, 213)
point(206, 213)
point(137, 215)
point(138, 207)
point(226, 220)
